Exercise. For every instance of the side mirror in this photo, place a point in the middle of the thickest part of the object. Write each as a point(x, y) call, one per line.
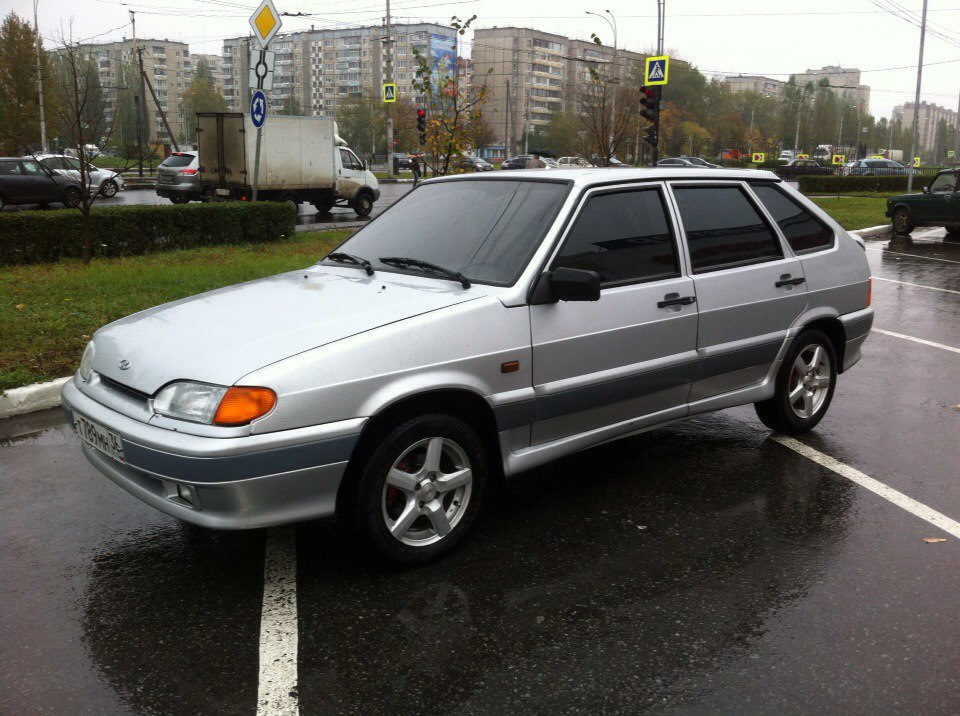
point(570, 284)
point(926, 190)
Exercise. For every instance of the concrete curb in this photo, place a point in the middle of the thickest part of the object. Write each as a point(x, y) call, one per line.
point(29, 398)
point(874, 232)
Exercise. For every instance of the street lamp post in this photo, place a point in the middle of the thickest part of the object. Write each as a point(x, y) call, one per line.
point(843, 112)
point(612, 22)
point(43, 121)
point(752, 111)
point(796, 137)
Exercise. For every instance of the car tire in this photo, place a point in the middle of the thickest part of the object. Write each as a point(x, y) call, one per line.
point(3, 202)
point(902, 222)
point(804, 386)
point(72, 197)
point(363, 204)
point(323, 207)
point(394, 501)
point(109, 189)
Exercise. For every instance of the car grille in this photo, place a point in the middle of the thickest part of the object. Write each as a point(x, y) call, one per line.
point(111, 384)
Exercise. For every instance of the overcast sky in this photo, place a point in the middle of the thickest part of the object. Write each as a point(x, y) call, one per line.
point(771, 37)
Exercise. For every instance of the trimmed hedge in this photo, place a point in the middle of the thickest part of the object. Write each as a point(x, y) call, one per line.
point(831, 184)
point(28, 237)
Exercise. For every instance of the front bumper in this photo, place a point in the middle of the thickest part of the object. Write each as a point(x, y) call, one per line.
point(376, 194)
point(230, 483)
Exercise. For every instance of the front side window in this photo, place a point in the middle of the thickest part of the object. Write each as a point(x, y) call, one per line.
point(348, 160)
point(485, 229)
point(944, 183)
point(723, 228)
point(10, 169)
point(624, 236)
point(802, 230)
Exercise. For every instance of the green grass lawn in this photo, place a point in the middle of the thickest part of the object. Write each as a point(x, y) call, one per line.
point(855, 212)
point(49, 311)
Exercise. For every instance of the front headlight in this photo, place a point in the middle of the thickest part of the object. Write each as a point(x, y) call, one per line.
point(86, 361)
point(214, 404)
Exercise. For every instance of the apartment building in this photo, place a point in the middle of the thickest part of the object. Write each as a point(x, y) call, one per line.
point(213, 62)
point(166, 63)
point(532, 74)
point(845, 81)
point(928, 118)
point(755, 83)
point(316, 69)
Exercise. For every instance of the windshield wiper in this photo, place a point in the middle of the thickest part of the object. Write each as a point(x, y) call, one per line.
point(402, 261)
point(344, 258)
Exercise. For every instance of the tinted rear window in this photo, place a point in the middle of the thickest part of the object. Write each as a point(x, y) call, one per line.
point(802, 230)
point(723, 228)
point(177, 160)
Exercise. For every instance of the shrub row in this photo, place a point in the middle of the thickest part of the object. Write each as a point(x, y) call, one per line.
point(45, 236)
point(828, 184)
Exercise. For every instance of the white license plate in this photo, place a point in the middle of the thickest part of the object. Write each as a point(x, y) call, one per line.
point(99, 437)
point(223, 192)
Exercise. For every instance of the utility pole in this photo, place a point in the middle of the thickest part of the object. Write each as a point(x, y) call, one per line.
point(916, 102)
point(138, 99)
point(956, 136)
point(661, 21)
point(507, 139)
point(389, 80)
point(796, 137)
point(43, 121)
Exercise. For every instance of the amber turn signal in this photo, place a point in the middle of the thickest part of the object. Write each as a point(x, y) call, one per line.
point(870, 291)
point(241, 404)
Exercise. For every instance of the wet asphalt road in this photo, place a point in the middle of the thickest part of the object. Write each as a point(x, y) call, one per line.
point(702, 567)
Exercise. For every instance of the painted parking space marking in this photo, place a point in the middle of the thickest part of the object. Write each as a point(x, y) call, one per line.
point(277, 691)
point(915, 285)
point(937, 519)
point(912, 256)
point(917, 340)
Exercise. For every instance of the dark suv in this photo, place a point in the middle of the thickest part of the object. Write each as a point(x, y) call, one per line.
point(27, 181)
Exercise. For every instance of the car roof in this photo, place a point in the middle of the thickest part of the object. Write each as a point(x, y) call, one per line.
point(594, 176)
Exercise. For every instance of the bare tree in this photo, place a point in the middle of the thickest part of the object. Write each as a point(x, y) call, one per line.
point(606, 131)
point(81, 119)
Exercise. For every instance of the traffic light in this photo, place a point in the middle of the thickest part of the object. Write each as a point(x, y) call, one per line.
point(650, 111)
point(422, 126)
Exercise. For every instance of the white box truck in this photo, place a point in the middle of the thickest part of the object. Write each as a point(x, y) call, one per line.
point(302, 159)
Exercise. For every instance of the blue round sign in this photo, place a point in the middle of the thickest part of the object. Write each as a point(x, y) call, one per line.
point(258, 108)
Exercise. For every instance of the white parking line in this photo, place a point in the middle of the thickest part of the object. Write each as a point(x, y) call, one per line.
point(915, 285)
point(917, 340)
point(912, 256)
point(909, 504)
point(277, 690)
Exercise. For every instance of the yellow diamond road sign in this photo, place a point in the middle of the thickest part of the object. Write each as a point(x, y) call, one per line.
point(265, 22)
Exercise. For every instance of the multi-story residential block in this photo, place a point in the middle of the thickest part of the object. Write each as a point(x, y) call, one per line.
point(755, 83)
point(532, 75)
point(928, 118)
point(213, 62)
point(167, 65)
point(842, 80)
point(316, 69)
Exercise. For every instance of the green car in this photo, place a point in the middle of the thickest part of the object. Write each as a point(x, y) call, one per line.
point(938, 205)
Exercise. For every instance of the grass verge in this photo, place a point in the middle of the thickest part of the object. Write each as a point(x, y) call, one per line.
point(49, 311)
point(854, 212)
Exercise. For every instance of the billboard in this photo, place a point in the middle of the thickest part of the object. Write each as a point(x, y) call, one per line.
point(443, 58)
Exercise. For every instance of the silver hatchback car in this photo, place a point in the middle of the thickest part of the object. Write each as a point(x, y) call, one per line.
point(483, 325)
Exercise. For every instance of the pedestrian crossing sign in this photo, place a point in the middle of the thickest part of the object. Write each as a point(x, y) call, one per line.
point(656, 70)
point(951, 153)
point(389, 92)
point(916, 161)
point(839, 159)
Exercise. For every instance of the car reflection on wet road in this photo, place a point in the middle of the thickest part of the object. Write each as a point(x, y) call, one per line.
point(699, 567)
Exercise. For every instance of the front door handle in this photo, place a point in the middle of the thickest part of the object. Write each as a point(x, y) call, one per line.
point(785, 280)
point(674, 299)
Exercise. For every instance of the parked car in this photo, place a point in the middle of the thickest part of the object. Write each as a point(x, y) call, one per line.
point(105, 182)
point(573, 162)
point(472, 164)
point(401, 161)
point(873, 167)
point(427, 358)
point(938, 205)
point(787, 155)
point(679, 163)
point(701, 162)
point(518, 162)
point(27, 181)
point(178, 178)
point(802, 167)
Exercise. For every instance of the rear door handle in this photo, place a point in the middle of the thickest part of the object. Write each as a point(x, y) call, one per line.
point(785, 280)
point(673, 299)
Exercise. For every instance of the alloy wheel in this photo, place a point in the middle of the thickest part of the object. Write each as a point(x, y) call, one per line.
point(109, 188)
point(809, 381)
point(426, 491)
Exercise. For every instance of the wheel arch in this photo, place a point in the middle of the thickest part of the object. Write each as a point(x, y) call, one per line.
point(832, 327)
point(467, 405)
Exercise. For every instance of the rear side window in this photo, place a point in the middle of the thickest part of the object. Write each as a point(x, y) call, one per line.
point(623, 236)
point(803, 231)
point(723, 228)
point(177, 160)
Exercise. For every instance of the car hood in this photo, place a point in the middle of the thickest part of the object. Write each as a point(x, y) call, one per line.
point(222, 335)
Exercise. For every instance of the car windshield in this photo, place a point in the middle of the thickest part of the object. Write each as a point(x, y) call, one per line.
point(485, 229)
point(177, 160)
